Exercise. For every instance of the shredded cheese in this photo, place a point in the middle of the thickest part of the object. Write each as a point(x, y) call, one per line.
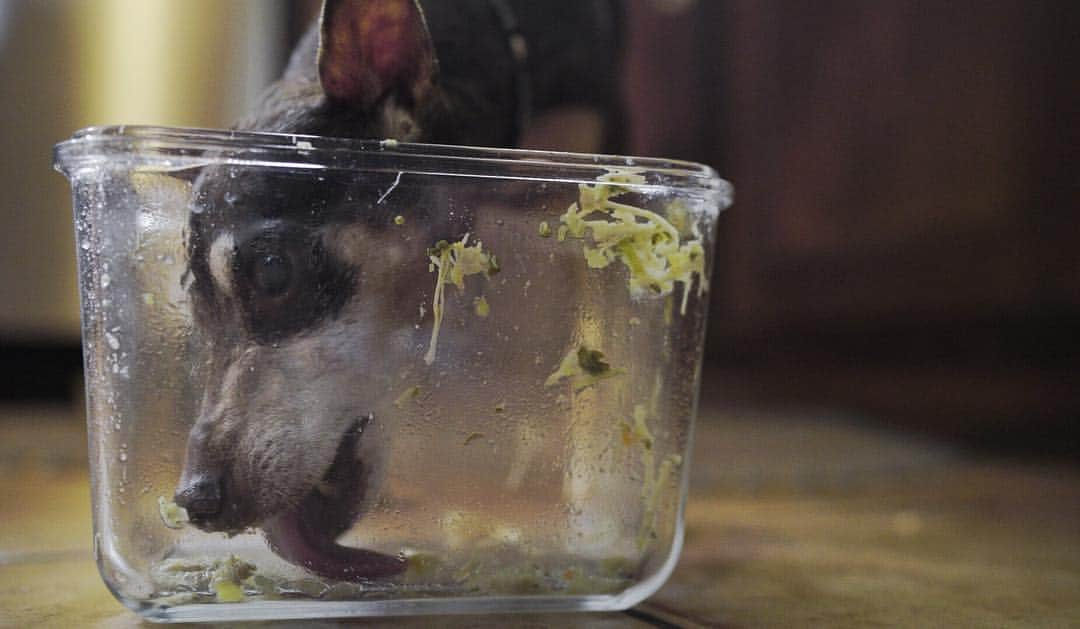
point(648, 245)
point(454, 261)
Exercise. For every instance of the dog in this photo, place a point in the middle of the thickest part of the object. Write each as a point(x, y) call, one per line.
point(283, 438)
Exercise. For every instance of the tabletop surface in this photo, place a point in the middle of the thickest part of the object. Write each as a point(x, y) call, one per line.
point(793, 520)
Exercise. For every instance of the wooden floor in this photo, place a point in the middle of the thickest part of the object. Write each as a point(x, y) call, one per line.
point(795, 519)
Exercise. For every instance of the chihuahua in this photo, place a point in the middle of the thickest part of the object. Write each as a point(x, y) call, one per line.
point(286, 434)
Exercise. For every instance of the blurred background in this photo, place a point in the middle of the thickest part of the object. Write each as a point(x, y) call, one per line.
point(887, 434)
point(905, 245)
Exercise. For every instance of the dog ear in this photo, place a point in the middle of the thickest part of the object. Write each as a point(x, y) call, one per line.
point(369, 48)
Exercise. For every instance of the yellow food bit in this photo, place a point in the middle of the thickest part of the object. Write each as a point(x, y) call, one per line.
point(584, 367)
point(407, 395)
point(682, 220)
point(227, 577)
point(399, 220)
point(172, 515)
point(500, 407)
point(454, 261)
point(545, 229)
point(635, 321)
point(228, 592)
point(647, 244)
point(480, 304)
point(641, 429)
point(656, 477)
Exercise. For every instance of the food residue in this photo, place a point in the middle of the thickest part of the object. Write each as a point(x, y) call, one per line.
point(656, 477)
point(584, 367)
point(454, 261)
point(481, 306)
point(407, 395)
point(227, 579)
point(194, 578)
point(647, 244)
point(172, 515)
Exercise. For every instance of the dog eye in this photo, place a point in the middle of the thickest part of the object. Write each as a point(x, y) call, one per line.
point(284, 279)
point(270, 268)
point(272, 274)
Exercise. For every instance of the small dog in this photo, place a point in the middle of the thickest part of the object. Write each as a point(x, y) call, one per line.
point(282, 440)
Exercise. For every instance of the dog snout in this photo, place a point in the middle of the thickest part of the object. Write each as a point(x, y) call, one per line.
point(200, 496)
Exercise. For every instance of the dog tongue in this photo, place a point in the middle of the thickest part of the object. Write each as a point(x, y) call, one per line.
point(306, 534)
point(299, 540)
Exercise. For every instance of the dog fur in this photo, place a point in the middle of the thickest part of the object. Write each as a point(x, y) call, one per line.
point(285, 440)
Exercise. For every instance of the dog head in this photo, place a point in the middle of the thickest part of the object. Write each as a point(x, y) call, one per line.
point(303, 289)
point(294, 288)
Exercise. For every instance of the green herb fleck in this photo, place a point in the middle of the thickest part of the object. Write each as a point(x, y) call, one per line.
point(592, 361)
point(584, 367)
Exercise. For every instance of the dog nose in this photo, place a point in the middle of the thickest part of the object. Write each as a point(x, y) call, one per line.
point(201, 497)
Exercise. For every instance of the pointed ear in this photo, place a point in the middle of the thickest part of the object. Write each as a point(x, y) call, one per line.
point(369, 48)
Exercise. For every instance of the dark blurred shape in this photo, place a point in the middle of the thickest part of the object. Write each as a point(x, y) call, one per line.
point(905, 234)
point(40, 372)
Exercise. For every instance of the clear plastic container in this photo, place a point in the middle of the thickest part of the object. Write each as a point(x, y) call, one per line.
point(343, 378)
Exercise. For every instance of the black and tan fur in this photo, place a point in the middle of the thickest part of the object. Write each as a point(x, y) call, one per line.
point(284, 436)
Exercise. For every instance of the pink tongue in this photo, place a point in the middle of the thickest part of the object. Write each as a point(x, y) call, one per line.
point(299, 541)
point(305, 535)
